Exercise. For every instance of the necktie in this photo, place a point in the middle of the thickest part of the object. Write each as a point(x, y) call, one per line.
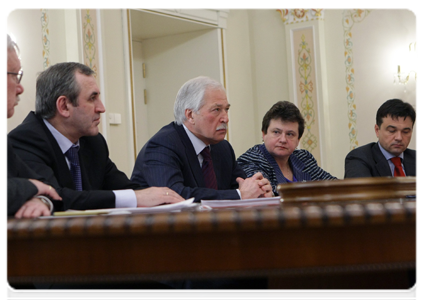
point(207, 168)
point(398, 167)
point(72, 155)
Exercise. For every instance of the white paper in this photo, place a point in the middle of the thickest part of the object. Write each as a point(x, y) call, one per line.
point(241, 203)
point(127, 210)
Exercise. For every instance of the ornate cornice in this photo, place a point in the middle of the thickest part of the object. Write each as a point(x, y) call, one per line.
point(291, 16)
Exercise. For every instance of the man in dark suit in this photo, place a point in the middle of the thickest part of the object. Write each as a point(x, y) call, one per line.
point(61, 142)
point(390, 156)
point(68, 97)
point(27, 196)
point(192, 157)
point(175, 156)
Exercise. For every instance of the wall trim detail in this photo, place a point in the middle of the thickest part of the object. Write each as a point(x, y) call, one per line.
point(351, 17)
point(306, 97)
point(291, 16)
point(45, 37)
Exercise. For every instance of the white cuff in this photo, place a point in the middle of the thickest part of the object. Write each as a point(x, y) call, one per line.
point(125, 198)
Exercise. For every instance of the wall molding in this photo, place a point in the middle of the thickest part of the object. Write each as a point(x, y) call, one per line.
point(45, 19)
point(292, 16)
point(349, 19)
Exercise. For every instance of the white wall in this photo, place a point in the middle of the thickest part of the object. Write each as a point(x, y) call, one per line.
point(117, 96)
point(260, 35)
point(256, 72)
point(28, 37)
point(240, 89)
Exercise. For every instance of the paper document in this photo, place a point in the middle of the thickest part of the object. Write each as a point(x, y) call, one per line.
point(241, 203)
point(127, 210)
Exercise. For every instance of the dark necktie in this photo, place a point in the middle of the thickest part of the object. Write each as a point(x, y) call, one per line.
point(398, 167)
point(72, 155)
point(208, 171)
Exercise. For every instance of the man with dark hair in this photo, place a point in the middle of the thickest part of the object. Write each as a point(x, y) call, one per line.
point(61, 142)
point(27, 195)
point(390, 155)
point(67, 114)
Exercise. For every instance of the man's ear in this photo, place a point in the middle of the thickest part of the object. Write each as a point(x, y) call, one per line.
point(377, 130)
point(62, 106)
point(189, 116)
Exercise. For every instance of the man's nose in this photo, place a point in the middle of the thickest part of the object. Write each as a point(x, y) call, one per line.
point(225, 117)
point(100, 107)
point(398, 135)
point(19, 89)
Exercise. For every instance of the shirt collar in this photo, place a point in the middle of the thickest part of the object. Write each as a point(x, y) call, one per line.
point(64, 142)
point(388, 155)
point(198, 144)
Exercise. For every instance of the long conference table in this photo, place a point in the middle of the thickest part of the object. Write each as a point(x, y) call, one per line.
point(331, 244)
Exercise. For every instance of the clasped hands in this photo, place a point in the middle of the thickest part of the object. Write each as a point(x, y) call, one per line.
point(255, 187)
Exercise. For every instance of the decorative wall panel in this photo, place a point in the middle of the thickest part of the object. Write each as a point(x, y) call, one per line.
point(305, 74)
point(303, 30)
point(351, 17)
point(45, 37)
point(90, 40)
point(291, 16)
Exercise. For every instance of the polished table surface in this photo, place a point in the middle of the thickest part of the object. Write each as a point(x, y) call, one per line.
point(299, 239)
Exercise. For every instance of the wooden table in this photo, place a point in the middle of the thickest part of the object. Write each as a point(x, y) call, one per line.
point(290, 243)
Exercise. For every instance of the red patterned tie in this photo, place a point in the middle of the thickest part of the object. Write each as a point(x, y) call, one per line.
point(208, 171)
point(398, 167)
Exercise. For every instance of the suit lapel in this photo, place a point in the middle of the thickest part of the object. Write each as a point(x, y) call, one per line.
point(85, 157)
point(382, 165)
point(216, 158)
point(191, 156)
point(59, 165)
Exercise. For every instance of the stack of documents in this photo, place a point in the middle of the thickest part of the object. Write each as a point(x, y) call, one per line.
point(241, 203)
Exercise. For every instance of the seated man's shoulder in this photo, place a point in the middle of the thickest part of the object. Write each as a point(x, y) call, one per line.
point(411, 152)
point(363, 149)
point(93, 141)
point(166, 135)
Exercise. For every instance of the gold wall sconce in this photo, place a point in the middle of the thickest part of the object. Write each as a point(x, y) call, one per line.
point(408, 66)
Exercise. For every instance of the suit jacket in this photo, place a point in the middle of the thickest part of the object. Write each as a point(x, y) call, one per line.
point(303, 164)
point(37, 147)
point(19, 188)
point(368, 161)
point(169, 159)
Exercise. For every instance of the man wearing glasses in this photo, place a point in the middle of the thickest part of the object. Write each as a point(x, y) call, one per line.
point(27, 197)
point(62, 143)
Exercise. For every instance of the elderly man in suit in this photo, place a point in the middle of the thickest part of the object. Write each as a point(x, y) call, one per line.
point(61, 142)
point(191, 155)
point(27, 196)
point(390, 155)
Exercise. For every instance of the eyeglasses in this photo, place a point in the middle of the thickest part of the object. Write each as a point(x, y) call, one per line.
point(18, 75)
